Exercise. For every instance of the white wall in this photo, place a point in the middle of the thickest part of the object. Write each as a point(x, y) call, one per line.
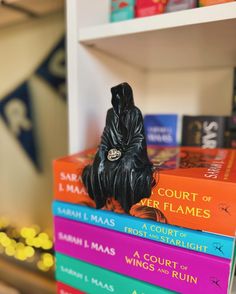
point(193, 92)
point(25, 194)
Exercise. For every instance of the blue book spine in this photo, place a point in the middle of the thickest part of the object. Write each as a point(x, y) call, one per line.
point(209, 243)
point(161, 129)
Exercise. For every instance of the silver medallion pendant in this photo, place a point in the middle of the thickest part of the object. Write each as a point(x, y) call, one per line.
point(113, 154)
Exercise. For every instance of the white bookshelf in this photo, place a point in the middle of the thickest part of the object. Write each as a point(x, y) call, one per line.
point(180, 62)
point(210, 14)
point(180, 40)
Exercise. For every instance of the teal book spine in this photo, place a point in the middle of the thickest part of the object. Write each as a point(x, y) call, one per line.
point(122, 14)
point(199, 241)
point(92, 279)
point(121, 4)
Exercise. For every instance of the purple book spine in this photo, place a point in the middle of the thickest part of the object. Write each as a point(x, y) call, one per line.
point(163, 265)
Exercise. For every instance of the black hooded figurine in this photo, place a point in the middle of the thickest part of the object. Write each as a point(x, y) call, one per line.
point(121, 168)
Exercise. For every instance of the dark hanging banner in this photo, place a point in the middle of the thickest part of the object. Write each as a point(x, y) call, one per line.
point(16, 108)
point(53, 69)
point(16, 111)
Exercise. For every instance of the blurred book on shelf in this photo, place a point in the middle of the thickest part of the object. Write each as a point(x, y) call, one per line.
point(122, 10)
point(212, 2)
point(176, 5)
point(128, 9)
point(161, 129)
point(150, 7)
point(204, 131)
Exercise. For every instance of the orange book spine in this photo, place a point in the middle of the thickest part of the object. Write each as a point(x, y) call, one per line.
point(68, 185)
point(195, 204)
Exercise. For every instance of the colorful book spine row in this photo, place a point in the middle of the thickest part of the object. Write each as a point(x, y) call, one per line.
point(92, 279)
point(159, 264)
point(213, 244)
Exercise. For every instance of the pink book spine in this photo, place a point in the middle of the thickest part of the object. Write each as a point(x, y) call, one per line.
point(163, 265)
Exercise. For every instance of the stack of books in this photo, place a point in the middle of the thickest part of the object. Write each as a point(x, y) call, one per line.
point(179, 240)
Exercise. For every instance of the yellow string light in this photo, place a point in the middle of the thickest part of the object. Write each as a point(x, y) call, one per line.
point(5, 241)
point(47, 259)
point(20, 245)
point(28, 232)
point(37, 242)
point(2, 236)
point(47, 245)
point(41, 266)
point(24, 244)
point(29, 251)
point(10, 250)
point(43, 236)
point(29, 241)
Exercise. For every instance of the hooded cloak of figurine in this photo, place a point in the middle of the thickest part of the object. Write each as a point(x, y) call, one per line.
point(121, 168)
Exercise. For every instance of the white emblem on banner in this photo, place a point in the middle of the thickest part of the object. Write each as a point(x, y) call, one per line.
point(16, 114)
point(57, 68)
point(56, 65)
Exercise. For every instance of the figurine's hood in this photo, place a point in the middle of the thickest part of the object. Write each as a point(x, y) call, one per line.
point(122, 98)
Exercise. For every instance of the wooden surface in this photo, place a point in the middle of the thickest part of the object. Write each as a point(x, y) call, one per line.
point(25, 280)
